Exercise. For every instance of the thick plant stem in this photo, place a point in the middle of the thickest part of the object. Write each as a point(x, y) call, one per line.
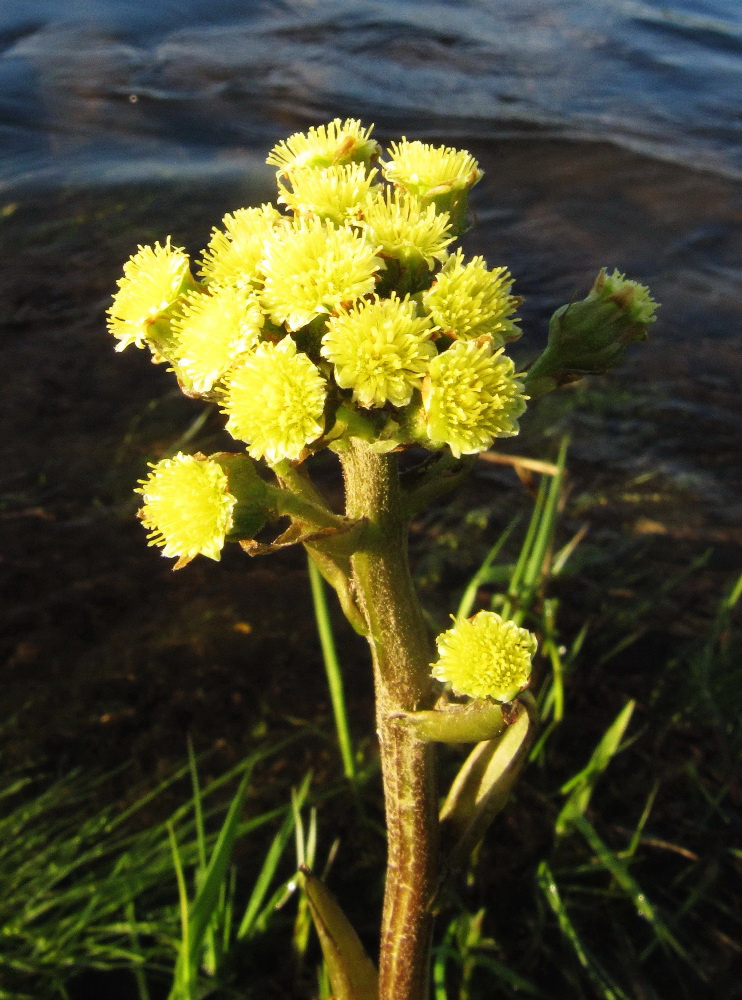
point(401, 653)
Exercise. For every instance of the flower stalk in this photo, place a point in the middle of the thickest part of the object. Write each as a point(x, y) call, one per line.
point(401, 654)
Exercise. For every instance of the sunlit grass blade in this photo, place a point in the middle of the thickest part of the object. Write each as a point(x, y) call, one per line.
point(215, 873)
point(267, 872)
point(514, 595)
point(182, 984)
point(483, 573)
point(306, 843)
point(580, 786)
point(529, 571)
point(542, 541)
point(332, 669)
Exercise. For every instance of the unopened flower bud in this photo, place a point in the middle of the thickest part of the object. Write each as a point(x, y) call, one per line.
point(591, 336)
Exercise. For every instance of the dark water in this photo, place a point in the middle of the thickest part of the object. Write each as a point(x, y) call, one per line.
point(111, 88)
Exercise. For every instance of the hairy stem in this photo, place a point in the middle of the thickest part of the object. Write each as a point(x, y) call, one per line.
point(401, 653)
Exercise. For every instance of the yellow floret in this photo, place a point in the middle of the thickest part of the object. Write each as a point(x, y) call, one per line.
point(313, 268)
point(470, 397)
point(467, 301)
point(406, 229)
point(380, 350)
point(334, 193)
point(485, 657)
point(187, 507)
point(275, 400)
point(213, 331)
point(325, 146)
point(424, 169)
point(154, 278)
point(232, 256)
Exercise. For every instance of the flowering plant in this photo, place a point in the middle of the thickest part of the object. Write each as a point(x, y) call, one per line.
point(350, 325)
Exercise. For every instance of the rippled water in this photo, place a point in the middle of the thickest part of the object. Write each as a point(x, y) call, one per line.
point(87, 84)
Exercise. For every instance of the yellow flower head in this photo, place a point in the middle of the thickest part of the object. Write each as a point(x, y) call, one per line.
point(154, 278)
point(471, 397)
point(325, 146)
point(274, 401)
point(334, 193)
point(427, 170)
point(633, 298)
point(313, 268)
point(212, 331)
point(187, 507)
point(406, 229)
point(468, 301)
point(485, 657)
point(232, 256)
point(380, 349)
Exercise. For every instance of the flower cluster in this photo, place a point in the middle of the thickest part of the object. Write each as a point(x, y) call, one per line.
point(346, 314)
point(347, 302)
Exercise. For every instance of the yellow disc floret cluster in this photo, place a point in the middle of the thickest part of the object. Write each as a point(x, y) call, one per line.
point(343, 309)
point(485, 657)
point(274, 400)
point(380, 349)
point(187, 507)
point(471, 397)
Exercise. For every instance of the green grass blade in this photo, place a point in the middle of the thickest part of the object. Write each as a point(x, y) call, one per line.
point(332, 669)
point(512, 602)
point(182, 981)
point(216, 871)
point(268, 869)
point(620, 872)
point(605, 986)
point(197, 808)
point(580, 787)
point(482, 574)
point(546, 522)
point(513, 980)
